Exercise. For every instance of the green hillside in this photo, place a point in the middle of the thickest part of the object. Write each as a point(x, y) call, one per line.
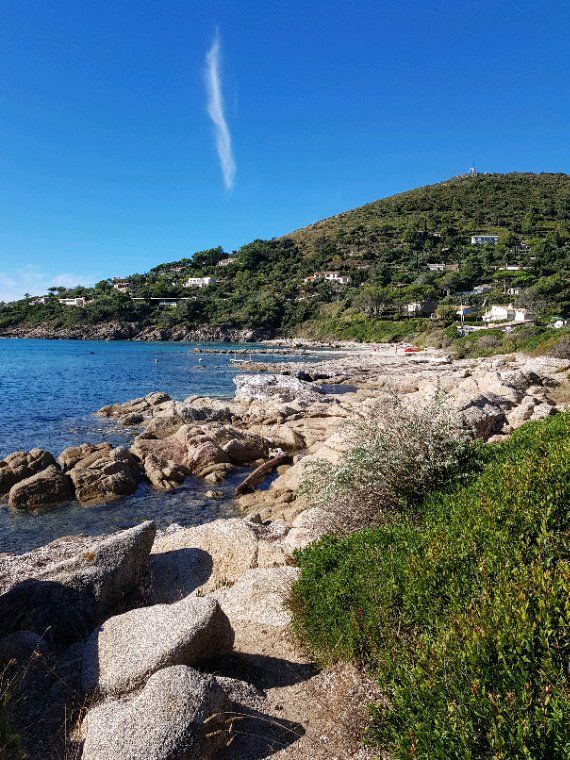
point(385, 248)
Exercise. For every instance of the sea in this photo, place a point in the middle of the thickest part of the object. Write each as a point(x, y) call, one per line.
point(49, 391)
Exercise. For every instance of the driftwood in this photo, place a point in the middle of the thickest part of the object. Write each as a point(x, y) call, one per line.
point(254, 478)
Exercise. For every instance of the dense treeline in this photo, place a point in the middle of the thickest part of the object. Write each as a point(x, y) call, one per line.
point(385, 247)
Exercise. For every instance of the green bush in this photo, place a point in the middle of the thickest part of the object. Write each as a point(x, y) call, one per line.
point(531, 339)
point(391, 462)
point(463, 613)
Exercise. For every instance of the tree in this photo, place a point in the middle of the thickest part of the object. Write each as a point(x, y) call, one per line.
point(208, 258)
point(374, 301)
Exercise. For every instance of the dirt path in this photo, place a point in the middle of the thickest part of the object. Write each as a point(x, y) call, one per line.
point(306, 713)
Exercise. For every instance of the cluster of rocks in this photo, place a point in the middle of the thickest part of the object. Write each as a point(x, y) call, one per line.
point(137, 644)
point(90, 473)
point(491, 397)
point(279, 413)
point(124, 646)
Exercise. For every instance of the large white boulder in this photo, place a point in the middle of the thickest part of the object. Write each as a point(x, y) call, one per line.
point(276, 388)
point(121, 654)
point(206, 556)
point(63, 589)
point(180, 713)
point(259, 597)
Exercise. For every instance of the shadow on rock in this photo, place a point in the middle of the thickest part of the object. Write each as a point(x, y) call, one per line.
point(254, 735)
point(177, 573)
point(57, 612)
point(263, 671)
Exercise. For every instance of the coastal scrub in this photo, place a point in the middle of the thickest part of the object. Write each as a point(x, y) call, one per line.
point(463, 612)
point(391, 463)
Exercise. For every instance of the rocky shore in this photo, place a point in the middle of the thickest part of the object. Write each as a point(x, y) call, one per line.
point(135, 331)
point(176, 643)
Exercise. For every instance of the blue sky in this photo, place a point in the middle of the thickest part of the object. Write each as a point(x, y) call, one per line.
point(108, 159)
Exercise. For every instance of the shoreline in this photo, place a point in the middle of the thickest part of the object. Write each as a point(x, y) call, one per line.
point(292, 407)
point(233, 574)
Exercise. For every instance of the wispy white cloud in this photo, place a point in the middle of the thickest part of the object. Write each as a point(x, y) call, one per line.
point(216, 112)
point(31, 279)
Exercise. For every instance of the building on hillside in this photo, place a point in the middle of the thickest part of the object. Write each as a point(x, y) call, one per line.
point(342, 279)
point(558, 322)
point(421, 308)
point(480, 289)
point(514, 290)
point(80, 301)
point(508, 313)
point(226, 262)
point(123, 286)
point(199, 282)
point(484, 239)
point(441, 267)
point(163, 302)
point(39, 299)
point(509, 268)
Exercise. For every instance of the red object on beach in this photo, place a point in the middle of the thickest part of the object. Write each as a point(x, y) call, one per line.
point(412, 350)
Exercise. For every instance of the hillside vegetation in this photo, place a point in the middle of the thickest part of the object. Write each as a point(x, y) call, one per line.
point(385, 248)
point(459, 607)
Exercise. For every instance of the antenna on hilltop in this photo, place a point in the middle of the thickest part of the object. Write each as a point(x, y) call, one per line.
point(473, 169)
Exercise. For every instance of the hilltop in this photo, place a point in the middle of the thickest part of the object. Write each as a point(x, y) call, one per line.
point(413, 247)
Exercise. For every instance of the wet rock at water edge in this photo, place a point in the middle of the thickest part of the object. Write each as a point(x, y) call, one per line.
point(47, 487)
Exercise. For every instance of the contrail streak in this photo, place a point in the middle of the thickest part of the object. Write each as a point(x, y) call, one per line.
point(216, 113)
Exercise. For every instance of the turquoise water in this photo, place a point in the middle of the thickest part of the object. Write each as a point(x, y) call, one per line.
point(48, 393)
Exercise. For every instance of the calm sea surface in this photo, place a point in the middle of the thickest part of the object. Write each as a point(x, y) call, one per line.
point(48, 393)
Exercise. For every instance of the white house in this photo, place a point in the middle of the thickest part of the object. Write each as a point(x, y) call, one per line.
point(421, 307)
point(507, 314)
point(484, 239)
point(79, 301)
point(226, 262)
point(514, 290)
point(330, 276)
point(199, 282)
point(123, 286)
point(479, 289)
point(170, 303)
point(442, 267)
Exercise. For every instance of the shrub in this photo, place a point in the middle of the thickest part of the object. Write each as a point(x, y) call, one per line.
point(488, 341)
point(10, 746)
point(462, 613)
point(391, 463)
point(561, 348)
